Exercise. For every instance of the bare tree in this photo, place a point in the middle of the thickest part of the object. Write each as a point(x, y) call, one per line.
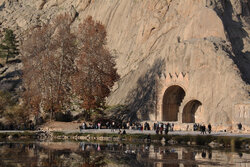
point(59, 64)
point(49, 53)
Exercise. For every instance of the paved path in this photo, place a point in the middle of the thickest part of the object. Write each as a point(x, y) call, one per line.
point(148, 132)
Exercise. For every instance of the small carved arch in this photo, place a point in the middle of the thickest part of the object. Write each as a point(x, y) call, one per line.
point(189, 110)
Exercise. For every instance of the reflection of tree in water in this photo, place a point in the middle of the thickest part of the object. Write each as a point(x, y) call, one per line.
point(110, 153)
point(55, 157)
point(93, 159)
point(69, 157)
point(31, 155)
point(97, 155)
point(18, 152)
point(87, 155)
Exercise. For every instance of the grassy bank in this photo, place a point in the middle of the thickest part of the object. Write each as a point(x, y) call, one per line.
point(199, 140)
point(18, 135)
point(196, 140)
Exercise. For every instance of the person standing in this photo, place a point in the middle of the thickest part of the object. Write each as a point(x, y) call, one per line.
point(201, 129)
point(82, 127)
point(154, 126)
point(161, 129)
point(145, 126)
point(157, 130)
point(113, 127)
point(204, 129)
point(194, 127)
point(209, 128)
point(128, 126)
point(107, 125)
point(172, 127)
point(166, 130)
point(239, 126)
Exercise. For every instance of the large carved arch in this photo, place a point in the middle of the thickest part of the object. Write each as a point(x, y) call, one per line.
point(189, 110)
point(172, 99)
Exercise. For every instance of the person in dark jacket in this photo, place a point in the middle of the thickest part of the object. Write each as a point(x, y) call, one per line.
point(239, 126)
point(209, 128)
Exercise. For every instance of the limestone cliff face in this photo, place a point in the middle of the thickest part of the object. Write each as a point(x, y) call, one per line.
point(202, 46)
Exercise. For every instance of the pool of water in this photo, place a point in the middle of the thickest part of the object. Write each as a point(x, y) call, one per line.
point(87, 154)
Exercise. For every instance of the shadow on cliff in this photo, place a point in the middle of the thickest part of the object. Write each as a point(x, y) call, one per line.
point(141, 101)
point(236, 33)
point(2, 6)
point(11, 80)
point(10, 85)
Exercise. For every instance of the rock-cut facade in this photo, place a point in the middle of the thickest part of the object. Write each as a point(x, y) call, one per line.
point(180, 61)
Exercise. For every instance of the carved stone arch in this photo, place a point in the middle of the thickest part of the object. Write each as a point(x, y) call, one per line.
point(176, 84)
point(189, 110)
point(172, 100)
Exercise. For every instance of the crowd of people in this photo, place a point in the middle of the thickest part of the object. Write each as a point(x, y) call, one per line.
point(202, 128)
point(159, 127)
point(115, 125)
point(163, 127)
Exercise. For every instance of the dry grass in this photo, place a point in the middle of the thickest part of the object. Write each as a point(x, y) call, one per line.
point(60, 126)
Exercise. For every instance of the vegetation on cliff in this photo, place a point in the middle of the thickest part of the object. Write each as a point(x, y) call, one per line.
point(60, 68)
point(66, 66)
point(9, 45)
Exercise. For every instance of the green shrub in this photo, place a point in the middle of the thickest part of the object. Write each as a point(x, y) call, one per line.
point(226, 141)
point(27, 134)
point(57, 133)
point(64, 117)
point(201, 140)
point(16, 135)
point(156, 137)
point(3, 135)
point(238, 143)
point(185, 139)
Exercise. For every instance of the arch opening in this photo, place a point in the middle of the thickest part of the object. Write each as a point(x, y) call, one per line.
point(189, 111)
point(172, 99)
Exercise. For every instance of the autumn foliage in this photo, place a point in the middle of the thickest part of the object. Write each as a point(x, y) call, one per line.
point(60, 64)
point(96, 71)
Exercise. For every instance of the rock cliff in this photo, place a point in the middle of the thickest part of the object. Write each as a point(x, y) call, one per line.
point(199, 46)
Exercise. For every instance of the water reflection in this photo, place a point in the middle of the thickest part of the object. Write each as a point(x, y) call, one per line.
point(85, 154)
